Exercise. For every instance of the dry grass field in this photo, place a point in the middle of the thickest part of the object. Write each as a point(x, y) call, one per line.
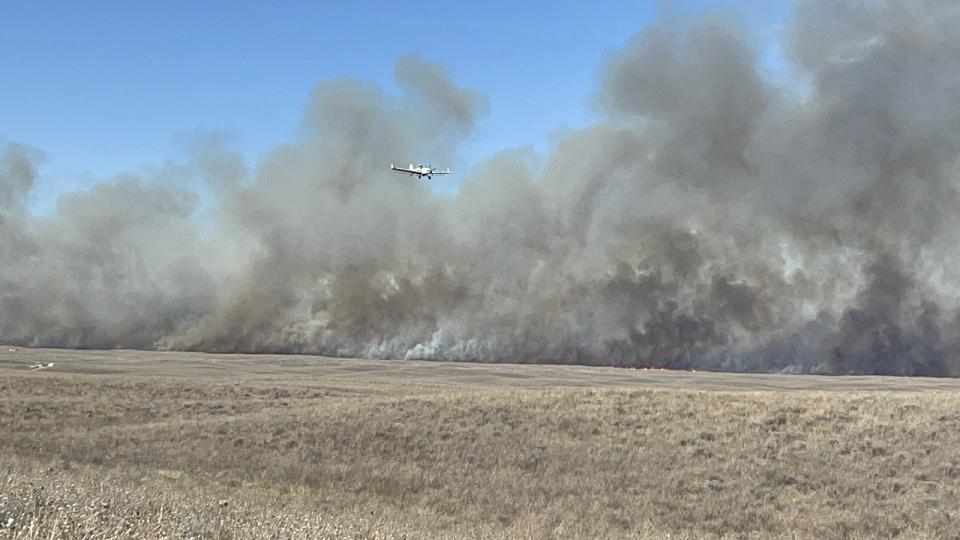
point(126, 444)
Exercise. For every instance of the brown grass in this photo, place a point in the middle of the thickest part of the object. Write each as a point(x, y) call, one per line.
point(163, 445)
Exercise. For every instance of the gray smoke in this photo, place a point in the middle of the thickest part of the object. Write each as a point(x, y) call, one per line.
point(712, 220)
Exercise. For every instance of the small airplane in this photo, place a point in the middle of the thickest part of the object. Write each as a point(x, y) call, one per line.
point(420, 170)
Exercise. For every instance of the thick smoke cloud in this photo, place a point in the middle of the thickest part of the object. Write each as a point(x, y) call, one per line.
point(711, 220)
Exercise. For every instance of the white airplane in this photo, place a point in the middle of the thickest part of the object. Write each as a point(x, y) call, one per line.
point(420, 170)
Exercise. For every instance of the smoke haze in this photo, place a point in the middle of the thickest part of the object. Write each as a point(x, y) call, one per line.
point(711, 220)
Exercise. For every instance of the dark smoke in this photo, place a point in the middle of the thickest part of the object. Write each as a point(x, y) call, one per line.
point(712, 220)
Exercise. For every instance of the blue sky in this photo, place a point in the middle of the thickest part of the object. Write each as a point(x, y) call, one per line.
point(105, 87)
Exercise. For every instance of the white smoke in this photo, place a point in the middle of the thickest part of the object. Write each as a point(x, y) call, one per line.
point(712, 220)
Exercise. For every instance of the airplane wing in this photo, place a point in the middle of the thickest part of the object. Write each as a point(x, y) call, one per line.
point(403, 170)
point(448, 171)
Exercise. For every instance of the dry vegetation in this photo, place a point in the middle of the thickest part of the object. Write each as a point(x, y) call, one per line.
point(110, 445)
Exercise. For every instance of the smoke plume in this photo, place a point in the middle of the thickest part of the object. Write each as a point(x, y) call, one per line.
point(712, 219)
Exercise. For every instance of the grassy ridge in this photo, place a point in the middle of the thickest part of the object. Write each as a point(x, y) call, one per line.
point(341, 457)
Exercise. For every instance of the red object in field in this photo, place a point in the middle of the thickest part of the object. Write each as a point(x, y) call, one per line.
point(9, 348)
